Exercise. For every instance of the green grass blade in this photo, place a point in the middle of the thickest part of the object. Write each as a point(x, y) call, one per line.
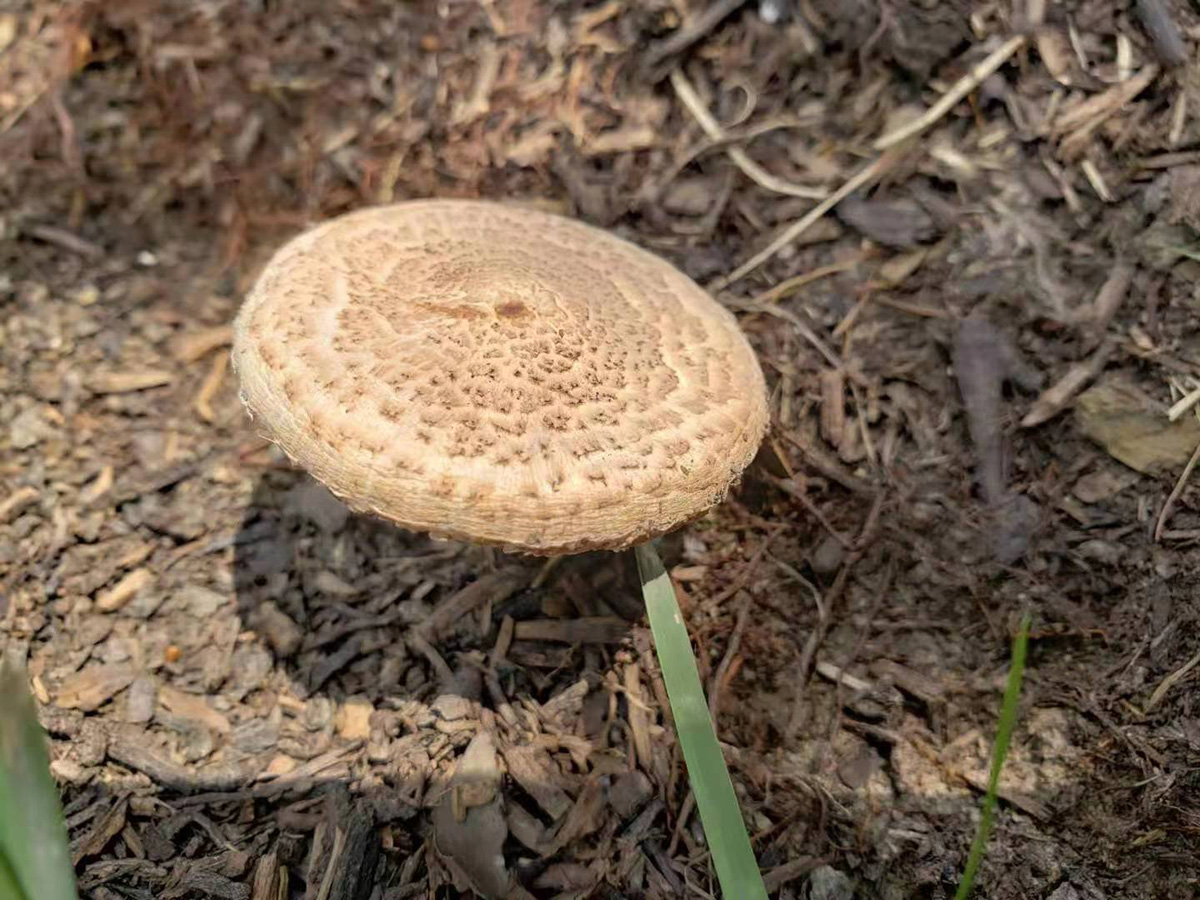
point(9, 889)
point(724, 828)
point(34, 856)
point(1004, 731)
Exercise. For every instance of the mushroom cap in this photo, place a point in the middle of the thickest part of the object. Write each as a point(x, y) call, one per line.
point(490, 373)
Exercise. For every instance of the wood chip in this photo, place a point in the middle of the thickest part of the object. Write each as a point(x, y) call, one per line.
point(532, 770)
point(638, 716)
point(127, 382)
point(194, 708)
point(833, 406)
point(354, 719)
point(590, 630)
point(1059, 395)
point(496, 586)
point(94, 686)
point(15, 502)
point(188, 348)
point(124, 590)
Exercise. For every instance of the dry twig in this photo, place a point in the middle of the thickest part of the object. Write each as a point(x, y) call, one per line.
point(860, 179)
point(1174, 495)
point(961, 88)
point(756, 173)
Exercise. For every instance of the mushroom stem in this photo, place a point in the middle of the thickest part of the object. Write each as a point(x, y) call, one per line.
point(724, 827)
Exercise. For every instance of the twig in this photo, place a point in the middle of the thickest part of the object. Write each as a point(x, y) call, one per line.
point(786, 485)
point(752, 170)
point(1174, 495)
point(1170, 681)
point(735, 641)
point(805, 332)
point(748, 569)
point(1108, 301)
point(692, 31)
point(861, 178)
point(212, 382)
point(962, 87)
point(1183, 404)
point(1056, 397)
point(789, 285)
point(817, 635)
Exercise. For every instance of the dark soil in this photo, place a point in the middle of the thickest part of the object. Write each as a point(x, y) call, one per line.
point(244, 692)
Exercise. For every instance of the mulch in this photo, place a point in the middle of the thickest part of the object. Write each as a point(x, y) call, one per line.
point(962, 238)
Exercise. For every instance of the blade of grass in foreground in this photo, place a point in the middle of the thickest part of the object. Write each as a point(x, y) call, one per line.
point(1004, 731)
point(724, 828)
point(34, 859)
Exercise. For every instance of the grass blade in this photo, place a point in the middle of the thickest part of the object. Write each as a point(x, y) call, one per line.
point(1004, 731)
point(34, 858)
point(724, 828)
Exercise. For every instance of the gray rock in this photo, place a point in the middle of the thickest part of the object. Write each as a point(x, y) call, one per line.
point(827, 883)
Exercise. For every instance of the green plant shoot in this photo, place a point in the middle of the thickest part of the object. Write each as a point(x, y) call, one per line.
point(724, 828)
point(35, 862)
point(1004, 732)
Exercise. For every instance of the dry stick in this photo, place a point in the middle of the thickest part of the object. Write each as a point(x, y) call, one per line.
point(692, 31)
point(752, 170)
point(748, 569)
point(1175, 492)
point(1169, 682)
point(962, 87)
point(805, 332)
point(835, 591)
point(793, 231)
point(735, 641)
point(796, 282)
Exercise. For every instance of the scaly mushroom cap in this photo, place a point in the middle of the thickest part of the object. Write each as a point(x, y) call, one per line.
point(494, 374)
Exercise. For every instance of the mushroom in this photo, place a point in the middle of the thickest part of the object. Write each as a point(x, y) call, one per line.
point(494, 374)
point(499, 375)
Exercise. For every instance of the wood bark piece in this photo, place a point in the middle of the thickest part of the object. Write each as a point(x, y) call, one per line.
point(495, 586)
point(532, 770)
point(588, 630)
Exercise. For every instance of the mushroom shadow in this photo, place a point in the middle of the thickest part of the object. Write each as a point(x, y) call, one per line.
point(329, 602)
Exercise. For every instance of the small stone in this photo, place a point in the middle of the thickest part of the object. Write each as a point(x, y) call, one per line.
point(1065, 891)
point(354, 719)
point(828, 556)
point(200, 601)
point(827, 883)
point(689, 196)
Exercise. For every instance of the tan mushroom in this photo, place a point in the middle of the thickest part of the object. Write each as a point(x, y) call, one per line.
point(494, 374)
